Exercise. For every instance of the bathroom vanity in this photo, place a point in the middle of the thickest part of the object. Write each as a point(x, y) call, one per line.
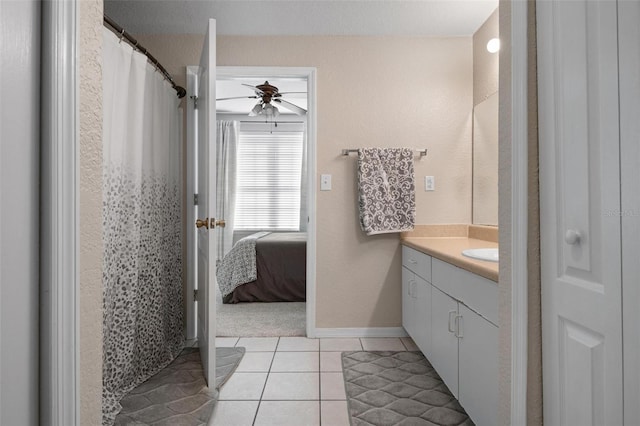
point(450, 309)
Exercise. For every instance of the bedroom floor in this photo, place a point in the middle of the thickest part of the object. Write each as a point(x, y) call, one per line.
point(260, 319)
point(291, 380)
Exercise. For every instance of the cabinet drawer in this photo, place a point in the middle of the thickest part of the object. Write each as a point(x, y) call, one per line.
point(417, 262)
point(478, 293)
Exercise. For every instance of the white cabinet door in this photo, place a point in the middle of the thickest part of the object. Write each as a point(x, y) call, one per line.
point(478, 358)
point(422, 315)
point(579, 200)
point(407, 300)
point(444, 343)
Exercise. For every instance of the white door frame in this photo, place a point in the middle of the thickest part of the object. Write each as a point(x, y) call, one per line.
point(519, 211)
point(59, 282)
point(298, 72)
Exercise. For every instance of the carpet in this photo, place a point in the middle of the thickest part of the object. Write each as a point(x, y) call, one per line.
point(260, 319)
point(178, 395)
point(398, 388)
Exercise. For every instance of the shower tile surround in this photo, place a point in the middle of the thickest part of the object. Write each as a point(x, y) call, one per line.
point(297, 381)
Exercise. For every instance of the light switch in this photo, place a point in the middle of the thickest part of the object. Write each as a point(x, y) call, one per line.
point(325, 182)
point(429, 183)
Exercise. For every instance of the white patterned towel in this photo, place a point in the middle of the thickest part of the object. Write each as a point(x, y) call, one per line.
point(239, 265)
point(386, 190)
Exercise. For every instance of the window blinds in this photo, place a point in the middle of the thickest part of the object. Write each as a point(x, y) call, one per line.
point(268, 180)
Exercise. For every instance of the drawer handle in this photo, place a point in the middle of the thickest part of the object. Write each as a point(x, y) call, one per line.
point(413, 261)
point(452, 315)
point(459, 326)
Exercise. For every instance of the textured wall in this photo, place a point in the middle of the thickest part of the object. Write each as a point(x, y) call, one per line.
point(372, 91)
point(90, 265)
point(504, 216)
point(534, 354)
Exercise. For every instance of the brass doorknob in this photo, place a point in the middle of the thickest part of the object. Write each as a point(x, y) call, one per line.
point(221, 223)
point(200, 223)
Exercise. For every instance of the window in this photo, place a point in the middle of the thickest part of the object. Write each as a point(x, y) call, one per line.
point(268, 180)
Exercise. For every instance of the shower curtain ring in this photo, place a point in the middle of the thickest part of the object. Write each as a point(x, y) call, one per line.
point(121, 35)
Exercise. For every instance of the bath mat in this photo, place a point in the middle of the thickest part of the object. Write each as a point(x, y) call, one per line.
point(398, 388)
point(178, 394)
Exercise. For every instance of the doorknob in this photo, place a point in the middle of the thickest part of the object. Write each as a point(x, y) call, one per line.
point(200, 223)
point(221, 223)
point(572, 237)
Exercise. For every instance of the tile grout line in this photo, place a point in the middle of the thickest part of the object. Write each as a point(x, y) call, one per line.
point(319, 388)
point(255, 417)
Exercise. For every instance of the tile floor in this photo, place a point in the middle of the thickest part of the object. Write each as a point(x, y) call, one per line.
point(294, 381)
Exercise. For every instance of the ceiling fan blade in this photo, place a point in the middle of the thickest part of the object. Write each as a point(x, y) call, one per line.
point(290, 106)
point(254, 88)
point(237, 97)
point(289, 93)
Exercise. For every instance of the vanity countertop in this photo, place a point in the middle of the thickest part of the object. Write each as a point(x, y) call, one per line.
point(449, 249)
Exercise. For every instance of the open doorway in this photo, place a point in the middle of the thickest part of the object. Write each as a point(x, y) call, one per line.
point(266, 194)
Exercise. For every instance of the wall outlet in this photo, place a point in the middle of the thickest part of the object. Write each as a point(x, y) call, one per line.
point(325, 182)
point(429, 183)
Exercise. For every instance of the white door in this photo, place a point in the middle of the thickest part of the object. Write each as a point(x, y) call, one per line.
point(19, 205)
point(629, 40)
point(579, 198)
point(206, 251)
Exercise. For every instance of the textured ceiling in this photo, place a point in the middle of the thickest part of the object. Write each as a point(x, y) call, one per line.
point(303, 17)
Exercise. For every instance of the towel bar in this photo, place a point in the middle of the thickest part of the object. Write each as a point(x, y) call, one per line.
point(345, 152)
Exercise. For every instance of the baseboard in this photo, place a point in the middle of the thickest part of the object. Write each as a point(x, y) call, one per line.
point(361, 332)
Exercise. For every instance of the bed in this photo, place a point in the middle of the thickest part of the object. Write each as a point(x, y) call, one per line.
point(280, 266)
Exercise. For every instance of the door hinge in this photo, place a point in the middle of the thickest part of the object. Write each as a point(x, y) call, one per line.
point(195, 101)
point(195, 295)
point(195, 199)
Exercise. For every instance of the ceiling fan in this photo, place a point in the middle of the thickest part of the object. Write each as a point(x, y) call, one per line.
point(267, 95)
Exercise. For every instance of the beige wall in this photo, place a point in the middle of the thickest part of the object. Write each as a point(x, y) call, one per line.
point(485, 64)
point(534, 354)
point(504, 216)
point(90, 264)
point(372, 91)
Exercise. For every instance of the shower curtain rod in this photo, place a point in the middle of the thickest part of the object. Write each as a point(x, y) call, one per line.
point(118, 30)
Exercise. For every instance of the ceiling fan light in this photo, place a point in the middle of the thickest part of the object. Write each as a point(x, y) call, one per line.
point(270, 110)
point(257, 110)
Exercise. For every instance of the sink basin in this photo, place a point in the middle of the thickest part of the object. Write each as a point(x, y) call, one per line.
point(488, 254)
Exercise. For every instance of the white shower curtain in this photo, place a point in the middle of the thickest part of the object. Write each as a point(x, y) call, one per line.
point(226, 146)
point(142, 271)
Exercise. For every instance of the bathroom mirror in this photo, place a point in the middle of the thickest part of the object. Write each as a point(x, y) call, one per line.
point(485, 162)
